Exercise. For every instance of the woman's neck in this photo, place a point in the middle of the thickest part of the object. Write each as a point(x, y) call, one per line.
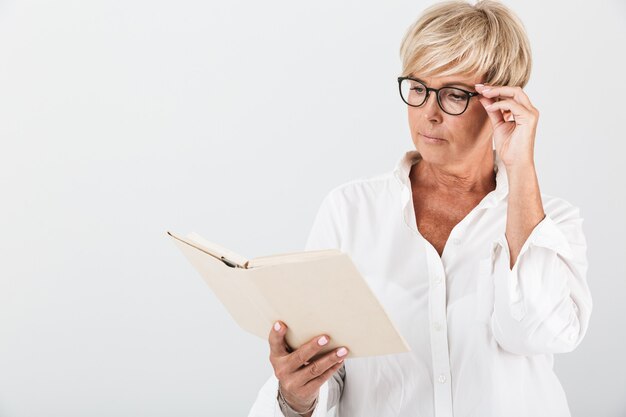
point(468, 178)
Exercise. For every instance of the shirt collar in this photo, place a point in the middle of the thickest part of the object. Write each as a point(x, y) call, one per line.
point(410, 158)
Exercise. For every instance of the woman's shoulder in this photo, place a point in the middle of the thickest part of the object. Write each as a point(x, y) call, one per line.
point(363, 189)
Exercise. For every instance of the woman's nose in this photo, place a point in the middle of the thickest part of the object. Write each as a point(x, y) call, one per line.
point(431, 107)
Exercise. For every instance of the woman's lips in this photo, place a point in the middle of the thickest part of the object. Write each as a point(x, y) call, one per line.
point(432, 139)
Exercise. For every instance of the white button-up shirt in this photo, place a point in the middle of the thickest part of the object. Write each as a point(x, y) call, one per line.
point(482, 336)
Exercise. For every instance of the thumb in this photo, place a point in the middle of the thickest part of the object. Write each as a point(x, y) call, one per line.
point(278, 346)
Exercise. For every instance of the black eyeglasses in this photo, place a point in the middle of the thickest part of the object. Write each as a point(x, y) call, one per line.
point(451, 100)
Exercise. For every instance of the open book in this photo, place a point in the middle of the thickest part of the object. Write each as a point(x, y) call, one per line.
point(313, 292)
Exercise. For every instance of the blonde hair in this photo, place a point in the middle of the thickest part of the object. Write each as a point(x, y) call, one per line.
point(454, 37)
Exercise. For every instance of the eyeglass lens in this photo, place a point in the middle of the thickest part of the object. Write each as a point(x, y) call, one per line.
point(453, 100)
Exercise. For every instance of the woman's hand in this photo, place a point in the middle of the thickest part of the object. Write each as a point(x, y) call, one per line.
point(514, 140)
point(300, 380)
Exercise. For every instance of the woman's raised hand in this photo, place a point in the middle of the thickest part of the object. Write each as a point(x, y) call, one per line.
point(300, 378)
point(514, 136)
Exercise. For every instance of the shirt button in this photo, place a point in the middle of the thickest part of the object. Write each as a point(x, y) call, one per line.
point(456, 241)
point(437, 326)
point(437, 280)
point(442, 378)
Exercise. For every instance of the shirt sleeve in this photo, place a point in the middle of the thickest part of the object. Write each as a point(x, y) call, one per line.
point(324, 234)
point(335, 386)
point(543, 304)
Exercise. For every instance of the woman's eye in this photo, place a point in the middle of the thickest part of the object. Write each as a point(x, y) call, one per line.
point(455, 96)
point(419, 90)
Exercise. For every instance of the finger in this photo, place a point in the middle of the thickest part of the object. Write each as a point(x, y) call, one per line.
point(507, 116)
point(317, 368)
point(276, 338)
point(521, 114)
point(316, 383)
point(495, 117)
point(304, 353)
point(516, 93)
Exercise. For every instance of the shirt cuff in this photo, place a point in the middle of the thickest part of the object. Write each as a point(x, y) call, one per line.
point(546, 234)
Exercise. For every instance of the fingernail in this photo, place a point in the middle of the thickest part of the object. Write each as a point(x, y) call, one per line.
point(342, 352)
point(486, 89)
point(277, 326)
point(479, 85)
point(322, 341)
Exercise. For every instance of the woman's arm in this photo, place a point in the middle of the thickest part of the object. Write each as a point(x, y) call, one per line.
point(542, 301)
point(524, 210)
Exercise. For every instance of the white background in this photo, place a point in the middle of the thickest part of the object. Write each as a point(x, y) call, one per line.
point(121, 119)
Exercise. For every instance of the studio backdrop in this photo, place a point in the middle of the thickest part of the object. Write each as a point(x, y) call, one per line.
point(122, 119)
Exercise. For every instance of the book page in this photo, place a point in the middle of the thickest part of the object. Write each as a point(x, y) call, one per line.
point(217, 250)
point(291, 257)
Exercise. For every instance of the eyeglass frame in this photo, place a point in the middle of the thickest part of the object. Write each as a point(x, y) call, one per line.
point(436, 90)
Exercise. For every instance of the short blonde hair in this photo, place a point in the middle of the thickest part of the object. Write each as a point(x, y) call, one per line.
point(454, 37)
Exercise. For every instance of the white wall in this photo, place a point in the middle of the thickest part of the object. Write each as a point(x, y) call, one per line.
point(121, 119)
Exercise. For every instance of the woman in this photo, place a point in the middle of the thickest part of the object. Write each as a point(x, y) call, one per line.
point(484, 276)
